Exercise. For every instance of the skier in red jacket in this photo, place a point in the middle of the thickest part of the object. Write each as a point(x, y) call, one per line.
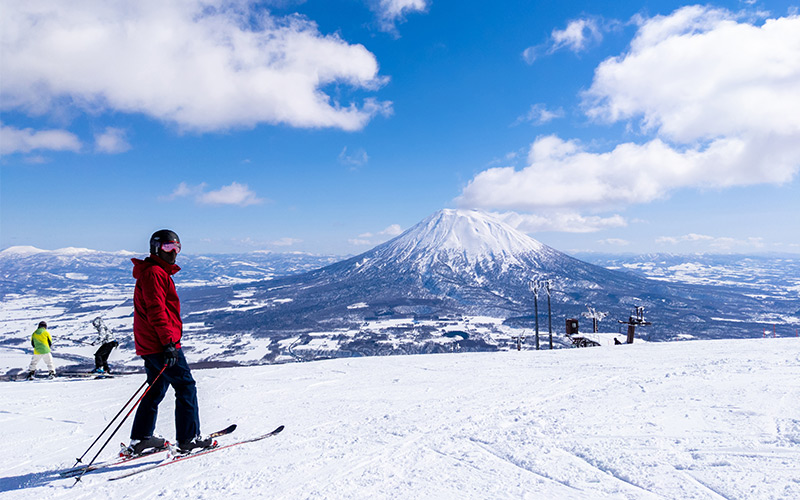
point(157, 330)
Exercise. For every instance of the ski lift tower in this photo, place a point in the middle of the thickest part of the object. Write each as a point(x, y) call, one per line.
point(634, 321)
point(549, 314)
point(596, 317)
point(535, 289)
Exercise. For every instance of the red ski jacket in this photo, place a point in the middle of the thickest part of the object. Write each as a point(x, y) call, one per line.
point(156, 306)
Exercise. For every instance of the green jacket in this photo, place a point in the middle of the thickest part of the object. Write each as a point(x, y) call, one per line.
point(41, 341)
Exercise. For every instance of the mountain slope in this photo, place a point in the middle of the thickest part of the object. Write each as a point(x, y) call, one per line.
point(458, 280)
point(466, 262)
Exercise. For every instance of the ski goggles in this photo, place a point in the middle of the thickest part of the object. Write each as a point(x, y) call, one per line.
point(170, 246)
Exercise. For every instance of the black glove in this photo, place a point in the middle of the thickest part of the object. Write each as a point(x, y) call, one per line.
point(170, 354)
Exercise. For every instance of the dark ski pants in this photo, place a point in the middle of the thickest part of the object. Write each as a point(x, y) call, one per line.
point(101, 356)
point(187, 415)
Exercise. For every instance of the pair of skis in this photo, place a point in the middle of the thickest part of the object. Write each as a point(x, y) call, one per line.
point(82, 469)
point(170, 458)
point(65, 375)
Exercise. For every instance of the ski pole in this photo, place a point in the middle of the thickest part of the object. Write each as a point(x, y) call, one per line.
point(78, 341)
point(80, 460)
point(120, 424)
point(92, 313)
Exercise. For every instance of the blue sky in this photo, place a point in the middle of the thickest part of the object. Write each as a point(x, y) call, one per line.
point(329, 127)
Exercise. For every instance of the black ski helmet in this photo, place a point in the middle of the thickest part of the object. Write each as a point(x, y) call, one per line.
point(162, 236)
point(42, 324)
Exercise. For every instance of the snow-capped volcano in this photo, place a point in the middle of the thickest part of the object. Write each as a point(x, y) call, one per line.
point(467, 246)
point(464, 262)
point(454, 262)
point(469, 234)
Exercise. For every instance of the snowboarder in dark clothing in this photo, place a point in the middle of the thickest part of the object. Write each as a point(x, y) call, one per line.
point(105, 337)
point(157, 331)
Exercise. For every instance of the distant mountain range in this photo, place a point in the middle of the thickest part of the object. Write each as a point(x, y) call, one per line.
point(29, 269)
point(777, 274)
point(460, 262)
point(454, 264)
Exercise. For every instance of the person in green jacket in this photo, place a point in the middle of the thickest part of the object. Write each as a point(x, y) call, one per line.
point(41, 342)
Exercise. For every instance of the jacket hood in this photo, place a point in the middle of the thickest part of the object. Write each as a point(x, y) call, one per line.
point(140, 265)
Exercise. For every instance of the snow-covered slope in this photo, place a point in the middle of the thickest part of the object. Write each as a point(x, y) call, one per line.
point(688, 420)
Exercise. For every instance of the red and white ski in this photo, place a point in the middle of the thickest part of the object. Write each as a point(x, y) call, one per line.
point(205, 451)
point(83, 469)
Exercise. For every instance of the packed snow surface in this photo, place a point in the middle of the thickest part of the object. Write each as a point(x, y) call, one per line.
point(688, 420)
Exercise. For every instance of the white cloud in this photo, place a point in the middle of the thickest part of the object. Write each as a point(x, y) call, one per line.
point(233, 194)
point(390, 12)
point(718, 98)
point(539, 115)
point(564, 174)
point(567, 222)
point(698, 75)
point(392, 230)
point(617, 242)
point(376, 238)
point(689, 237)
point(201, 65)
point(531, 54)
point(713, 242)
point(354, 159)
point(360, 242)
point(286, 242)
point(184, 190)
point(14, 140)
point(576, 37)
point(111, 140)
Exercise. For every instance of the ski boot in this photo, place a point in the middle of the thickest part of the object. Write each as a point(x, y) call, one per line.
point(97, 371)
point(198, 443)
point(51, 375)
point(144, 446)
point(30, 375)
